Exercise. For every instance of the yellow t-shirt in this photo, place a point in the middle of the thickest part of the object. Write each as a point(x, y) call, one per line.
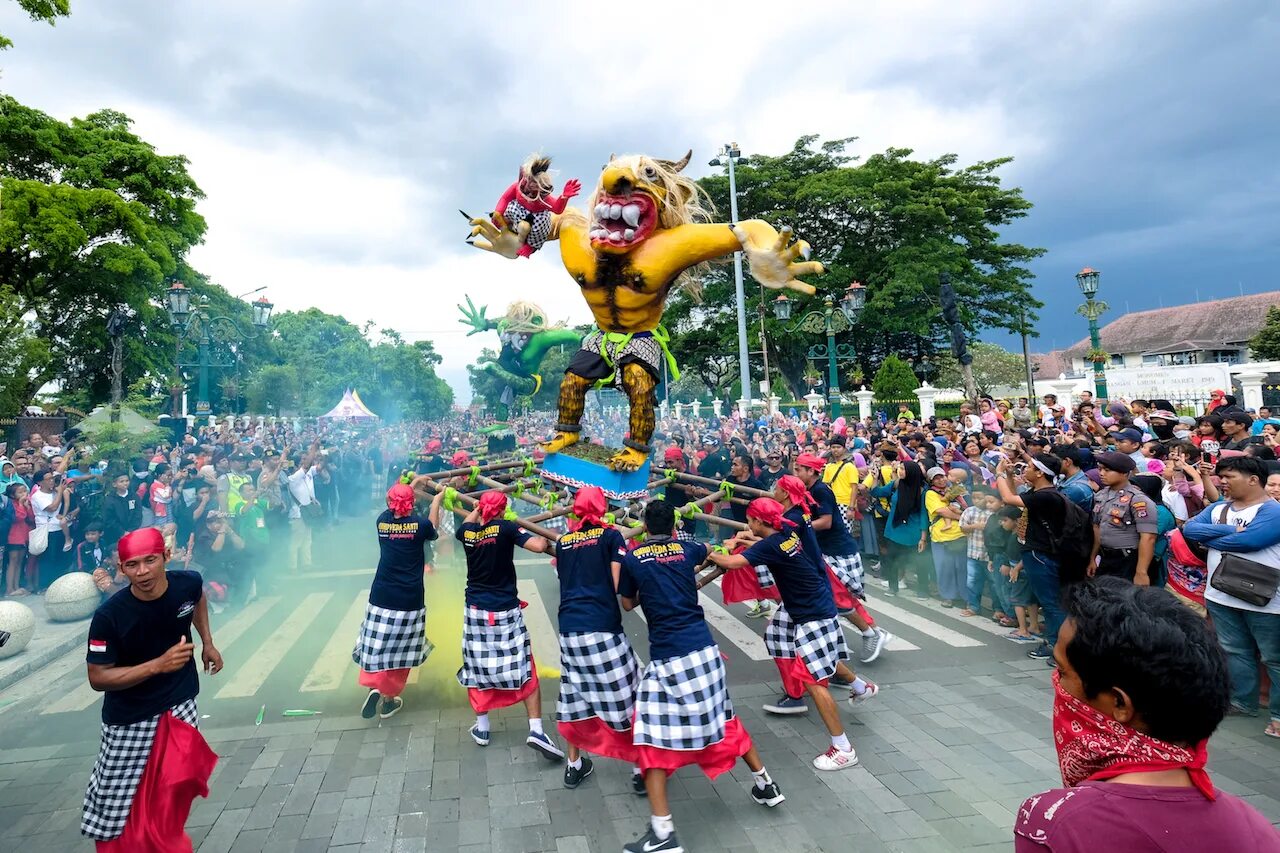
point(841, 477)
point(941, 528)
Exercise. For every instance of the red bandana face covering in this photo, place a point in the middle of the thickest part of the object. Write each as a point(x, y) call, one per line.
point(1094, 747)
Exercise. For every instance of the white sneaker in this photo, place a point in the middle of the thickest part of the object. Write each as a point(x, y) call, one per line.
point(836, 759)
point(865, 696)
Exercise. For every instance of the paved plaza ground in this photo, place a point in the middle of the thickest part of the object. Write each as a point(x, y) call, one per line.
point(957, 738)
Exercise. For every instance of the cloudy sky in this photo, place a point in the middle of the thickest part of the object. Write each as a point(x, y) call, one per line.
point(337, 140)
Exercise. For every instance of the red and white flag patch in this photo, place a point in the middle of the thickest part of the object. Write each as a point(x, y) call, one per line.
point(99, 646)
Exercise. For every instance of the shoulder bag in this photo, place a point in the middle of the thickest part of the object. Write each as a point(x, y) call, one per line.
point(1239, 577)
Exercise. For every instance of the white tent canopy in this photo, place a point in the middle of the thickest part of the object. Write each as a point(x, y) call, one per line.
point(351, 407)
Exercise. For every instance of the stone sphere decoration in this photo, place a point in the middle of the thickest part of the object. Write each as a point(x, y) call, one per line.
point(71, 597)
point(20, 622)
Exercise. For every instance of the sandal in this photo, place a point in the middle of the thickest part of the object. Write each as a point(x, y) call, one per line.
point(1272, 729)
point(946, 603)
point(18, 593)
point(1006, 622)
point(967, 612)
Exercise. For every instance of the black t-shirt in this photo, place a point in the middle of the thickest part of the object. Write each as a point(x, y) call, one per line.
point(836, 540)
point(738, 512)
point(1045, 506)
point(769, 479)
point(805, 594)
point(808, 539)
point(127, 631)
point(491, 572)
point(402, 545)
point(584, 562)
point(716, 465)
point(661, 572)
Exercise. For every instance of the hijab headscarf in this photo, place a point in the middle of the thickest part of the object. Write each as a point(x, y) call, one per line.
point(400, 500)
point(9, 475)
point(589, 505)
point(910, 493)
point(492, 505)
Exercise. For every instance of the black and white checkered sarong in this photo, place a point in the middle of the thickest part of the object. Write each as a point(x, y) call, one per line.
point(849, 570)
point(764, 577)
point(683, 703)
point(646, 349)
point(122, 758)
point(599, 676)
point(539, 223)
point(495, 656)
point(820, 643)
point(391, 639)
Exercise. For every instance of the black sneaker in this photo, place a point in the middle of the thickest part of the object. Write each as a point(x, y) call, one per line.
point(388, 708)
point(637, 785)
point(573, 776)
point(770, 795)
point(370, 706)
point(650, 843)
point(1040, 652)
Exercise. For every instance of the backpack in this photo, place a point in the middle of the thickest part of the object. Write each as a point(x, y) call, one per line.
point(1074, 545)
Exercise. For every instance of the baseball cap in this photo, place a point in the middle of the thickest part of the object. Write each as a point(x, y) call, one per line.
point(1121, 463)
point(711, 438)
point(1128, 434)
point(935, 471)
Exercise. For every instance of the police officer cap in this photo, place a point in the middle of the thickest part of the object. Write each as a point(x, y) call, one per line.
point(1121, 463)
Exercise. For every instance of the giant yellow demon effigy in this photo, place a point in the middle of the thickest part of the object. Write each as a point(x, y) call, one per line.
point(646, 228)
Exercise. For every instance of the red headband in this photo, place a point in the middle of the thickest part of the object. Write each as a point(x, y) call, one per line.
point(460, 458)
point(808, 460)
point(492, 505)
point(770, 512)
point(400, 499)
point(795, 490)
point(434, 446)
point(589, 506)
point(140, 543)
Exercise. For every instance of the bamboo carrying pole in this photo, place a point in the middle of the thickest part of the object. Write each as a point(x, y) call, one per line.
point(469, 502)
point(715, 484)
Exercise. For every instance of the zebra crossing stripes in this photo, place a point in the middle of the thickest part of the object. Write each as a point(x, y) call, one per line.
point(256, 669)
point(925, 626)
point(545, 640)
point(333, 666)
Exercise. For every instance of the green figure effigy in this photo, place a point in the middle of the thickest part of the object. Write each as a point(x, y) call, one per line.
point(526, 339)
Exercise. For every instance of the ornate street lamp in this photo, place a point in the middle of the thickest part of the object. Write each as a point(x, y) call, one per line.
point(1092, 309)
point(831, 322)
point(196, 323)
point(782, 307)
point(854, 300)
point(262, 312)
point(179, 304)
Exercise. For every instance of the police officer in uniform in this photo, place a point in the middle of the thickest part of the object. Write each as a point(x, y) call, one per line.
point(1124, 523)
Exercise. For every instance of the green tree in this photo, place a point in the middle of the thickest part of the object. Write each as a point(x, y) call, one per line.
point(92, 218)
point(1266, 344)
point(22, 353)
point(41, 10)
point(406, 384)
point(893, 223)
point(993, 367)
point(274, 390)
point(894, 381)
